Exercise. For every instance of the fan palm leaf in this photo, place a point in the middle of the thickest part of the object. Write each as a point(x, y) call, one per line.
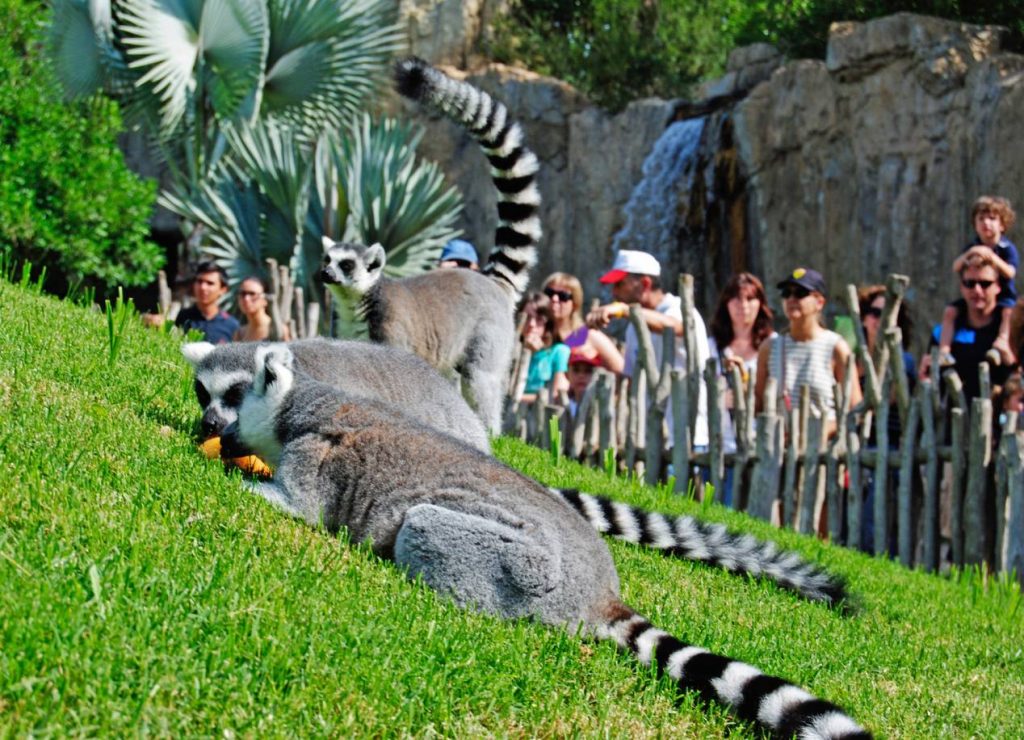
point(324, 57)
point(181, 47)
point(81, 44)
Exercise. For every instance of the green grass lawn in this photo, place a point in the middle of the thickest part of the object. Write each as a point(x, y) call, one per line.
point(142, 590)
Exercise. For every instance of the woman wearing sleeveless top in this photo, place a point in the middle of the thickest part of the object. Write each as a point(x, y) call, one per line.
point(809, 354)
point(566, 296)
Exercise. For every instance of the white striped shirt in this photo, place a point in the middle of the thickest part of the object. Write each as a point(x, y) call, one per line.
point(807, 363)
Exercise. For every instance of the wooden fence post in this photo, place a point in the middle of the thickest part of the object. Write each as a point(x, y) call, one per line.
point(715, 411)
point(681, 431)
point(1012, 555)
point(881, 482)
point(904, 518)
point(812, 446)
point(929, 441)
point(979, 456)
point(764, 487)
point(606, 409)
point(855, 496)
point(1009, 427)
point(958, 461)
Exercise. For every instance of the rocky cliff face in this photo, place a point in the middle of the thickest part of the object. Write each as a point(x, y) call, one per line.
point(862, 164)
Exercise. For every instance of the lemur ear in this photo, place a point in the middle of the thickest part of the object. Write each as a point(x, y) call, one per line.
point(196, 352)
point(375, 257)
point(275, 362)
point(327, 242)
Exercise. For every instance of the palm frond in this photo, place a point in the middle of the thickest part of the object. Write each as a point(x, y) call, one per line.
point(235, 38)
point(81, 45)
point(325, 57)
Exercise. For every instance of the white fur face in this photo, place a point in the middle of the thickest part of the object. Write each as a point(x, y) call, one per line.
point(257, 416)
point(352, 268)
point(219, 390)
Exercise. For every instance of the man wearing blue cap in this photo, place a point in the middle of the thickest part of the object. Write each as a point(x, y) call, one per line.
point(459, 253)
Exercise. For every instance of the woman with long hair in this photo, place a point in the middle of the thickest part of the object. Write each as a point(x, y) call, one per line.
point(742, 321)
point(566, 295)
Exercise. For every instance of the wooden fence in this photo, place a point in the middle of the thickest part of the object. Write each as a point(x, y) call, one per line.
point(949, 490)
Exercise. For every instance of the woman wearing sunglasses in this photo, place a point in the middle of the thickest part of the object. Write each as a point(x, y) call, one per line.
point(809, 354)
point(566, 295)
point(252, 302)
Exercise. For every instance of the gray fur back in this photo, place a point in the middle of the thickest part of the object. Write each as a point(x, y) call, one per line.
point(373, 372)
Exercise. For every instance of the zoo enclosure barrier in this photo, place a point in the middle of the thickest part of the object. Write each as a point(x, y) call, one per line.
point(949, 490)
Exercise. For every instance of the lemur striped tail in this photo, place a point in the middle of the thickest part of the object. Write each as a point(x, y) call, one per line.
point(692, 539)
point(513, 166)
point(774, 703)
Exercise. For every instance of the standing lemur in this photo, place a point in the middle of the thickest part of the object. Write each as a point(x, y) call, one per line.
point(457, 320)
point(476, 530)
point(400, 380)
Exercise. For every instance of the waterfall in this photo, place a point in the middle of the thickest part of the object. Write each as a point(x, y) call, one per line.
point(653, 210)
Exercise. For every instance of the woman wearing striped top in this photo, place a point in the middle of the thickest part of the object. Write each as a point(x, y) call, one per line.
point(809, 354)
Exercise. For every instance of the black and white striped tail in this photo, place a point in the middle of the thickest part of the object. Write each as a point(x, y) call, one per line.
point(774, 703)
point(513, 166)
point(691, 539)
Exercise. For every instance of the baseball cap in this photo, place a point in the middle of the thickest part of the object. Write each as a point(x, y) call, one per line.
point(631, 262)
point(805, 278)
point(459, 249)
point(577, 357)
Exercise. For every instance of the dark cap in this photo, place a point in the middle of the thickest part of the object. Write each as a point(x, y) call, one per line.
point(805, 278)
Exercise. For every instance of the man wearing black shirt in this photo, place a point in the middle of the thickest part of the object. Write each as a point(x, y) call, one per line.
point(976, 328)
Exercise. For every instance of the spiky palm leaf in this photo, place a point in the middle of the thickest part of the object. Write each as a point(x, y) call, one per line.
point(325, 56)
point(392, 198)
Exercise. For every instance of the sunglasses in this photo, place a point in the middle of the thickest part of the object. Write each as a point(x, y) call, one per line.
point(873, 311)
point(972, 284)
point(249, 294)
point(562, 295)
point(795, 292)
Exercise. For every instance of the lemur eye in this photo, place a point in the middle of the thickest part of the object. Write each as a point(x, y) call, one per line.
point(346, 266)
point(233, 396)
point(202, 394)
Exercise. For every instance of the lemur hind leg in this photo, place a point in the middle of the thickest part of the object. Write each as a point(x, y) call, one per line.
point(480, 561)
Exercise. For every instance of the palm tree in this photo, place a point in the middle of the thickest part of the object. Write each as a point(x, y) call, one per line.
point(254, 105)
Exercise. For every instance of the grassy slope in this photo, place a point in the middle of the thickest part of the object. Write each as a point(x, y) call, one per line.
point(141, 589)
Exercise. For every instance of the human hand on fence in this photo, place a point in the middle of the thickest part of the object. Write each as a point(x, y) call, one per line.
point(600, 317)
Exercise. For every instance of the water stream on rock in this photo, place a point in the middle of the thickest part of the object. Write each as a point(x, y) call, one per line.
point(653, 210)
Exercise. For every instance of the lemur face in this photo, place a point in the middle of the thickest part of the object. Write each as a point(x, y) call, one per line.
point(219, 387)
point(352, 267)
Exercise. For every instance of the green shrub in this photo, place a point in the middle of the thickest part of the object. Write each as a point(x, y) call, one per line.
point(67, 199)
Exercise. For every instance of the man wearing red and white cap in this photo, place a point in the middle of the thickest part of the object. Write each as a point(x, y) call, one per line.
point(635, 277)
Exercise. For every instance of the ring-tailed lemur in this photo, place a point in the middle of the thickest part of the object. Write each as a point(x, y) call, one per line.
point(223, 374)
point(457, 320)
point(476, 530)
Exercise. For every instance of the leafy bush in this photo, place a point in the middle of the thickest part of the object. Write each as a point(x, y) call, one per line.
point(67, 199)
point(620, 50)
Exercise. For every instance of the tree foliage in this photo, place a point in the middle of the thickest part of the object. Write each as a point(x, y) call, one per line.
point(67, 199)
point(621, 50)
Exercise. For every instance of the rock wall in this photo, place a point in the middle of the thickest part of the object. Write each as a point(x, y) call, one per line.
point(861, 164)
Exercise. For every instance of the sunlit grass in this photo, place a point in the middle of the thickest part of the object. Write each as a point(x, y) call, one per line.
point(142, 590)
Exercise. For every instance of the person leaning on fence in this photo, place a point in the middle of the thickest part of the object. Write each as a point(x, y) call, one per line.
point(992, 217)
point(635, 277)
point(809, 354)
point(549, 360)
point(977, 327)
point(566, 296)
point(742, 321)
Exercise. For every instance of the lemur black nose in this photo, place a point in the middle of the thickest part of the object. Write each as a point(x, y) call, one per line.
point(231, 444)
point(326, 276)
